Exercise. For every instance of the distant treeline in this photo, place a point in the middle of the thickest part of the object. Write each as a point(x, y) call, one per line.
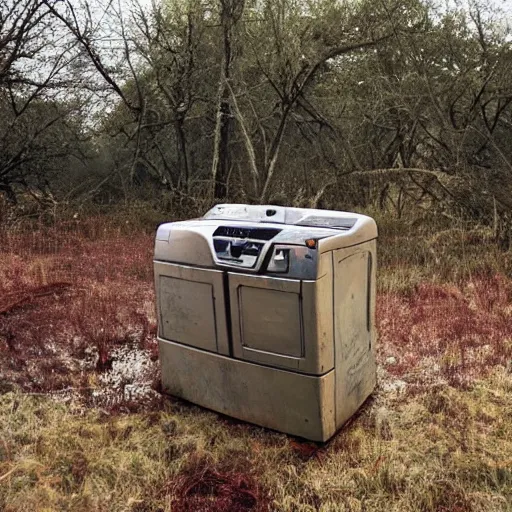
point(395, 104)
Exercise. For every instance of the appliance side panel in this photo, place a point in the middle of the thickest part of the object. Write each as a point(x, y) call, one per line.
point(354, 352)
point(372, 296)
point(317, 310)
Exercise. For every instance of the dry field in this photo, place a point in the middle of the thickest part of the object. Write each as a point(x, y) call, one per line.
point(83, 426)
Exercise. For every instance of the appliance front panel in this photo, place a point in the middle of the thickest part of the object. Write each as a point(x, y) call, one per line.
point(280, 322)
point(298, 404)
point(266, 316)
point(270, 321)
point(191, 306)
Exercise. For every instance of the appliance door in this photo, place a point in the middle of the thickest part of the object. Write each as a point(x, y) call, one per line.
point(191, 306)
point(276, 322)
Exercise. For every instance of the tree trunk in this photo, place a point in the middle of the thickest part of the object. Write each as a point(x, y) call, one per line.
point(181, 151)
point(223, 160)
point(230, 13)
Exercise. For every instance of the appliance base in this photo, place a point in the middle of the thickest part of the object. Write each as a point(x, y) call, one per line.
point(293, 403)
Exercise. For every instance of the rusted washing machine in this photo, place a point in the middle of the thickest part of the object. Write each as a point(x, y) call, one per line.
point(266, 314)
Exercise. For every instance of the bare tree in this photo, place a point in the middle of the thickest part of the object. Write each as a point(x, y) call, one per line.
point(22, 24)
point(34, 63)
point(169, 44)
point(292, 49)
point(230, 14)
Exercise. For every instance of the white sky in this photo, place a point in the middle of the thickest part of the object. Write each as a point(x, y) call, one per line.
point(112, 43)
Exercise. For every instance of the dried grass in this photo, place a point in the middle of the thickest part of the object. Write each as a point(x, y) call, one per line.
point(77, 299)
point(442, 449)
point(67, 296)
point(447, 333)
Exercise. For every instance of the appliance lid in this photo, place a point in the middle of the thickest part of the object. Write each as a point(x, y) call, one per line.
point(241, 236)
point(271, 214)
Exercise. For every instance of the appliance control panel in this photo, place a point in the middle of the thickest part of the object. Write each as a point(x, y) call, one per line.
point(258, 249)
point(241, 246)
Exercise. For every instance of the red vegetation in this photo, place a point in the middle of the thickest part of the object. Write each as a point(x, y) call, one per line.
point(456, 333)
point(13, 300)
point(66, 301)
point(306, 450)
point(70, 295)
point(205, 486)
